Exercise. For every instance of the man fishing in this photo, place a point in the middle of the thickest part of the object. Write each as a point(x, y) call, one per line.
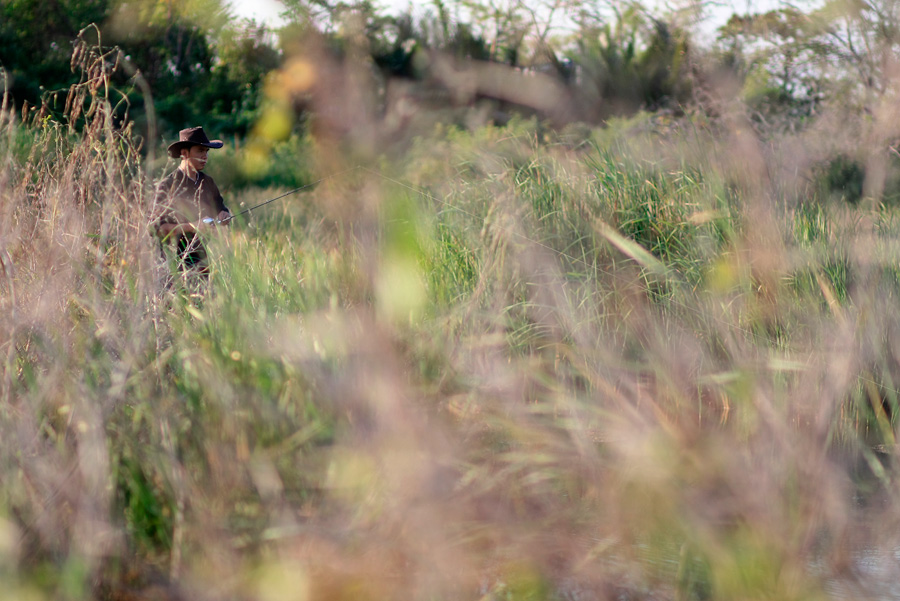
point(188, 201)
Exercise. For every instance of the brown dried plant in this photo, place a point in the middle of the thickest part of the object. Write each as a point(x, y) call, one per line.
point(498, 366)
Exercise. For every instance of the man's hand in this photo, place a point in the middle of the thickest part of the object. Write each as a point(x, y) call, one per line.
point(221, 219)
point(166, 230)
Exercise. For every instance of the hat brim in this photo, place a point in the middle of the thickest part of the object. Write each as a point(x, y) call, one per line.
point(175, 147)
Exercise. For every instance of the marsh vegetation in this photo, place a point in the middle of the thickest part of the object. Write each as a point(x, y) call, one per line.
point(653, 359)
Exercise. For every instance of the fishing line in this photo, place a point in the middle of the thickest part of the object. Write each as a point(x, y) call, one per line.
point(288, 193)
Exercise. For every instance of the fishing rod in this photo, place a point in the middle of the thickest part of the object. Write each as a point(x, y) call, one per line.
point(271, 200)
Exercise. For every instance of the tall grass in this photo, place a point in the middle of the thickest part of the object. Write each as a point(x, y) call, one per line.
point(501, 364)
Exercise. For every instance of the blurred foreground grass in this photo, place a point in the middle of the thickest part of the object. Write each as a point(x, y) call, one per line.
point(508, 364)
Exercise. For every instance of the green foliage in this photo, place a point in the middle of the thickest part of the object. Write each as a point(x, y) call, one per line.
point(147, 508)
point(198, 69)
point(505, 294)
point(36, 42)
point(631, 64)
point(453, 268)
point(783, 58)
point(287, 165)
point(231, 99)
point(193, 65)
point(400, 51)
point(844, 177)
point(511, 363)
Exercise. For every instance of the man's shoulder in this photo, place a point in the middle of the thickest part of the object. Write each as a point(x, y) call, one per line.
point(208, 184)
point(168, 181)
point(207, 179)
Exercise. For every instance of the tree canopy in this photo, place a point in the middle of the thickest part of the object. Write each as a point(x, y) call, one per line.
point(197, 63)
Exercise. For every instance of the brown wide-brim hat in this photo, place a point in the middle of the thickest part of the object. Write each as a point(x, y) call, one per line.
point(192, 136)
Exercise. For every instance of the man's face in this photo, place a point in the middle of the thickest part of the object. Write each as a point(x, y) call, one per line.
point(195, 156)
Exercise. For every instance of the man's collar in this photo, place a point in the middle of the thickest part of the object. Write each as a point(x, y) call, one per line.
point(184, 176)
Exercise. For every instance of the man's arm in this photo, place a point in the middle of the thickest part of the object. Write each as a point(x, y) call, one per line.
point(165, 222)
point(165, 230)
point(224, 215)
